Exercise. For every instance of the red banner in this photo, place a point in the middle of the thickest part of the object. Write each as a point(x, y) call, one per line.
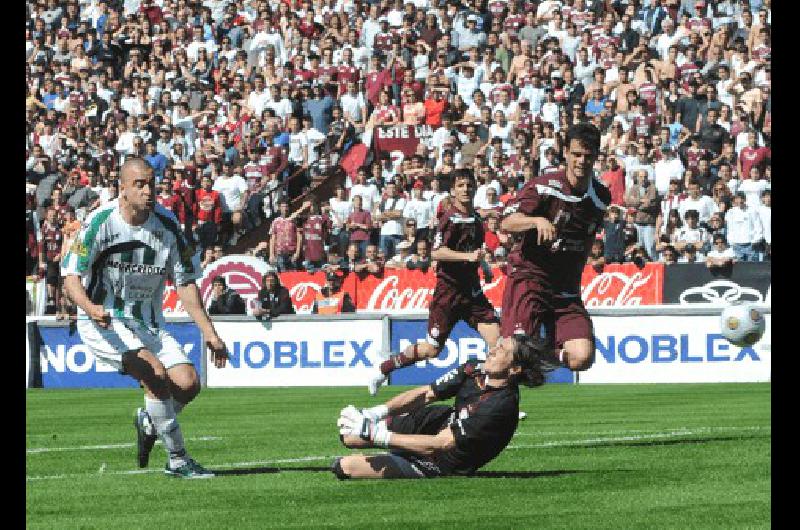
point(411, 290)
point(399, 141)
point(401, 290)
point(623, 285)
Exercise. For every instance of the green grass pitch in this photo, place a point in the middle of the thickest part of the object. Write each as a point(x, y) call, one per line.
point(588, 456)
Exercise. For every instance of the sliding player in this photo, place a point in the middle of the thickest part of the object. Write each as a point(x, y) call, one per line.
point(458, 251)
point(555, 218)
point(438, 440)
point(115, 273)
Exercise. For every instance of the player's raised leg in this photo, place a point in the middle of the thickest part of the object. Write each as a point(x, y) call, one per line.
point(442, 316)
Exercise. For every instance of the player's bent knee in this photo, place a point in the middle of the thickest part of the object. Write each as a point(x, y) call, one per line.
point(580, 358)
point(338, 470)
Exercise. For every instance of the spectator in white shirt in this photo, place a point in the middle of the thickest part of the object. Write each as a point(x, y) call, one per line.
point(339, 212)
point(743, 228)
point(419, 209)
point(486, 180)
point(389, 212)
point(667, 169)
point(353, 106)
point(754, 186)
point(690, 233)
point(721, 256)
point(369, 192)
point(702, 204)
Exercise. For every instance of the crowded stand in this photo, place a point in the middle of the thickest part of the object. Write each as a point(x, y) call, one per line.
point(324, 135)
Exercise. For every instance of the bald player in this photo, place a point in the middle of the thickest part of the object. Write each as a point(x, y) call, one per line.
point(115, 273)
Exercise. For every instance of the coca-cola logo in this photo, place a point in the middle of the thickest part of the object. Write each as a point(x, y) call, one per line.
point(614, 289)
point(387, 296)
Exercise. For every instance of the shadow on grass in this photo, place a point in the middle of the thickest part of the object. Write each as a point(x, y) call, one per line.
point(525, 474)
point(263, 470)
point(267, 470)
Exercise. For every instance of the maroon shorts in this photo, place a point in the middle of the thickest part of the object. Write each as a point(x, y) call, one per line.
point(450, 305)
point(532, 310)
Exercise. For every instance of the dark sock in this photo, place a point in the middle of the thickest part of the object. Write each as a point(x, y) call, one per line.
point(395, 361)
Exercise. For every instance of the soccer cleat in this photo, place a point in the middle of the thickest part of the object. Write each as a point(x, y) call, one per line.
point(190, 470)
point(145, 436)
point(375, 381)
point(523, 415)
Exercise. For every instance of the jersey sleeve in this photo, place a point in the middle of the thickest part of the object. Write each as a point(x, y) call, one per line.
point(526, 202)
point(444, 233)
point(448, 385)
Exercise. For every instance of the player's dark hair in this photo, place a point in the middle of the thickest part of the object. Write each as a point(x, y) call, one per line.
point(463, 173)
point(528, 356)
point(586, 134)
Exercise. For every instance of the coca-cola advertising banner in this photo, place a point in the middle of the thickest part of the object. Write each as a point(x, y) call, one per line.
point(404, 291)
point(623, 284)
point(694, 283)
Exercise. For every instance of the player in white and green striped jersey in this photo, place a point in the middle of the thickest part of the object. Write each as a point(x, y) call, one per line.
point(115, 273)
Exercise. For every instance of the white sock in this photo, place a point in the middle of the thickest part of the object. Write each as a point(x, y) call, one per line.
point(163, 415)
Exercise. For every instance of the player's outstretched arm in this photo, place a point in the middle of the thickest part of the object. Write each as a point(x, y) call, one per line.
point(190, 297)
point(519, 222)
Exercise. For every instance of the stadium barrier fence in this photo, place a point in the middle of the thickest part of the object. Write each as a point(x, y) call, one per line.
point(645, 344)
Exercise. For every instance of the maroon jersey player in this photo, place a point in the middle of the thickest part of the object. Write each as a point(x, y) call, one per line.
point(554, 219)
point(458, 251)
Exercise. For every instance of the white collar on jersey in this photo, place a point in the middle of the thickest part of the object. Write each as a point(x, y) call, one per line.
point(590, 192)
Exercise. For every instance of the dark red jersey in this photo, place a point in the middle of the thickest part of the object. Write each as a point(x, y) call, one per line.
point(51, 241)
point(463, 233)
point(274, 160)
point(315, 231)
point(557, 265)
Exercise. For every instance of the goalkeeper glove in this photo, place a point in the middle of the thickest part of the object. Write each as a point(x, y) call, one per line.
point(353, 422)
point(376, 413)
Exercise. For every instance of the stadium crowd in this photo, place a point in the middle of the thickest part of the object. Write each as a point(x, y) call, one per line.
point(242, 106)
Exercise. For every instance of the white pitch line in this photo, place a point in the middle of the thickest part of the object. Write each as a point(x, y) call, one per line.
point(37, 450)
point(234, 464)
point(546, 445)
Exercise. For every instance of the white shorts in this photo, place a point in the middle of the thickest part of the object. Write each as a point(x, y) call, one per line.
point(109, 344)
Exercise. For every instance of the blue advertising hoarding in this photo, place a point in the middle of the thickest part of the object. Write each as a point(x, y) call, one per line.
point(464, 343)
point(66, 363)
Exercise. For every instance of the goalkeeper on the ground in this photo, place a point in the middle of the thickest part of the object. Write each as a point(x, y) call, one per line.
point(437, 440)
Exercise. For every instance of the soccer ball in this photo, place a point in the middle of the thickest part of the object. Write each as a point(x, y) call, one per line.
point(742, 324)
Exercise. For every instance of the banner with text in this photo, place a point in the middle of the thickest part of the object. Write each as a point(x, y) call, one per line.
point(673, 349)
point(694, 283)
point(399, 141)
point(404, 291)
point(313, 353)
point(65, 362)
point(464, 343)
